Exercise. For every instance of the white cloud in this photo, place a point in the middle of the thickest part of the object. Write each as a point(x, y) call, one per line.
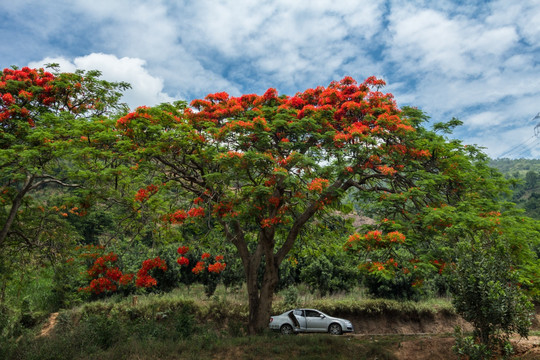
point(433, 41)
point(524, 14)
point(145, 88)
point(476, 61)
point(283, 42)
point(485, 119)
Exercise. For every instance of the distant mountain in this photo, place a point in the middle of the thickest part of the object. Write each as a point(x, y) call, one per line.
point(513, 166)
point(527, 190)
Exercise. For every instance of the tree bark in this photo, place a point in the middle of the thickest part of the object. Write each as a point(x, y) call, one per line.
point(15, 205)
point(261, 295)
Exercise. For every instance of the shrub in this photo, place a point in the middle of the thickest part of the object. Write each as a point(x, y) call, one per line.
point(486, 294)
point(328, 276)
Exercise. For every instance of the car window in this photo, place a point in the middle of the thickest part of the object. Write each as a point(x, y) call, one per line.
point(312, 313)
point(299, 312)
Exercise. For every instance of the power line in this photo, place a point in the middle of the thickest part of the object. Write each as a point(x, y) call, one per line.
point(528, 149)
point(527, 145)
point(518, 148)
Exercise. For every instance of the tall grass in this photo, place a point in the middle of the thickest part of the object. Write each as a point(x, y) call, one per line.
point(186, 324)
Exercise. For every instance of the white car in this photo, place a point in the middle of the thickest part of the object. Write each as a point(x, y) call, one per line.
point(309, 320)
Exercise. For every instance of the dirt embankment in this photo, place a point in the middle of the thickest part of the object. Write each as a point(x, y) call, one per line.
point(438, 323)
point(428, 336)
point(389, 323)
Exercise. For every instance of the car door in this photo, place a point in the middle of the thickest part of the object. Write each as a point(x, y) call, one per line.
point(316, 321)
point(301, 318)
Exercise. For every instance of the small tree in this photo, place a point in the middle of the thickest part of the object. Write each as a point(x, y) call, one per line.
point(41, 113)
point(486, 293)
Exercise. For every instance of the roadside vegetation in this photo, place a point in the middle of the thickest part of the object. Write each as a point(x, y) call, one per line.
point(112, 216)
point(186, 324)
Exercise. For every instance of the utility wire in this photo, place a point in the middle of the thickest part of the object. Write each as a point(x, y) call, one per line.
point(528, 149)
point(519, 148)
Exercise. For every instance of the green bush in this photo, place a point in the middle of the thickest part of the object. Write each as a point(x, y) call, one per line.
point(398, 287)
point(184, 323)
point(487, 295)
point(101, 330)
point(329, 275)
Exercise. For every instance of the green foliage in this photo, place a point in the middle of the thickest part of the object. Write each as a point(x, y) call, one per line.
point(290, 297)
point(397, 287)
point(486, 294)
point(329, 275)
point(101, 330)
point(525, 177)
point(467, 346)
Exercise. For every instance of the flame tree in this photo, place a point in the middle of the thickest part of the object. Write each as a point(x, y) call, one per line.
point(263, 167)
point(41, 114)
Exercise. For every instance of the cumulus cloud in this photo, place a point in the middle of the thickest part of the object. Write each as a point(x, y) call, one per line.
point(145, 88)
point(150, 31)
point(288, 44)
point(476, 61)
point(473, 64)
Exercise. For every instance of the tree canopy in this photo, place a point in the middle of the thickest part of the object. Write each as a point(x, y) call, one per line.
point(255, 171)
point(263, 167)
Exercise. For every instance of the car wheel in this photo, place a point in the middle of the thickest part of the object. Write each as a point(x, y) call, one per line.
point(335, 329)
point(286, 329)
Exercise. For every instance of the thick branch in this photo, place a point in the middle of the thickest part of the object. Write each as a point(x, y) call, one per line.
point(47, 179)
point(17, 201)
point(300, 221)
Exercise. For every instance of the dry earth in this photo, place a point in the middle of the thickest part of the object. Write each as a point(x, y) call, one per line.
point(430, 336)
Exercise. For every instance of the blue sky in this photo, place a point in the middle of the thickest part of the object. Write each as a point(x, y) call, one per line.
point(478, 61)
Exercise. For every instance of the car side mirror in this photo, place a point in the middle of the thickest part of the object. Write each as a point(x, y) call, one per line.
point(322, 316)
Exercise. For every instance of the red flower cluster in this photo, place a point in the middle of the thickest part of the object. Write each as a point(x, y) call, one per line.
point(199, 267)
point(99, 285)
point(143, 194)
point(139, 113)
point(216, 267)
point(374, 240)
point(274, 200)
point(145, 280)
point(196, 212)
point(271, 222)
point(182, 250)
point(182, 261)
point(16, 102)
point(104, 276)
point(100, 264)
point(318, 185)
point(386, 170)
point(180, 216)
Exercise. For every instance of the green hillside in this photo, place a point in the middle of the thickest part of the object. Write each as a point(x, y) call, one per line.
point(526, 188)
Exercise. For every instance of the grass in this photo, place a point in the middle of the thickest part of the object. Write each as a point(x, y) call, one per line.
point(187, 325)
point(226, 304)
point(207, 346)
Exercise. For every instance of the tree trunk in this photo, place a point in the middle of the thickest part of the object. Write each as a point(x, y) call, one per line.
point(259, 294)
point(261, 297)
